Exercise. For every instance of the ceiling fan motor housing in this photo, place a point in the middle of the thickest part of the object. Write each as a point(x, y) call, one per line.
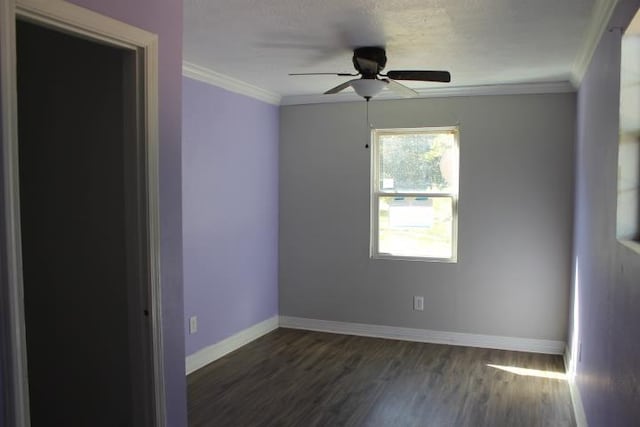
point(374, 54)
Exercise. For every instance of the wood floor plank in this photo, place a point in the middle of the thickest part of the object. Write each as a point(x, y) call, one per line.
point(301, 378)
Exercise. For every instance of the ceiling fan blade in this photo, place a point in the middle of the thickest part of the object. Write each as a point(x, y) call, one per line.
point(424, 76)
point(340, 87)
point(323, 74)
point(401, 89)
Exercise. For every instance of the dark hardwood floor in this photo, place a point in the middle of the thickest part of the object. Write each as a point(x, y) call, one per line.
point(301, 378)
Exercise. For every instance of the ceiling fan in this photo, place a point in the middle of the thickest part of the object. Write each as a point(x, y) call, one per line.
point(369, 63)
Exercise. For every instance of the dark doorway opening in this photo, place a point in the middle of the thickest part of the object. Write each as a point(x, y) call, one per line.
point(79, 242)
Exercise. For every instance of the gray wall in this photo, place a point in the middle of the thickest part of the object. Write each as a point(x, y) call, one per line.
point(515, 217)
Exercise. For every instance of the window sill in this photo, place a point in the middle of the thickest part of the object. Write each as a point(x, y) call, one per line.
point(633, 245)
point(418, 259)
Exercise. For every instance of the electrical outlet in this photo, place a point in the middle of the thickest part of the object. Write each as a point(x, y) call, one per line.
point(193, 324)
point(418, 303)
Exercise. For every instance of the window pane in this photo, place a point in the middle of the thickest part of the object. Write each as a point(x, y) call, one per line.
point(415, 226)
point(418, 162)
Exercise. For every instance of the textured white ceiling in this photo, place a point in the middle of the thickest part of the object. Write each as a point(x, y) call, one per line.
point(479, 41)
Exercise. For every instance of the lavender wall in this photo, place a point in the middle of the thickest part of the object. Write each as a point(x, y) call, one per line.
point(164, 17)
point(606, 295)
point(230, 211)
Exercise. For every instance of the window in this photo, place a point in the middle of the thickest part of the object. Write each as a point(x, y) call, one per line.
point(414, 199)
point(628, 213)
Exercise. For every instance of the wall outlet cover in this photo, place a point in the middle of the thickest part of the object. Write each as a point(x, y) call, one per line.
point(193, 324)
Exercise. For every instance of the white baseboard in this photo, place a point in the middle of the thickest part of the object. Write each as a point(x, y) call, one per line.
point(576, 399)
point(214, 352)
point(425, 335)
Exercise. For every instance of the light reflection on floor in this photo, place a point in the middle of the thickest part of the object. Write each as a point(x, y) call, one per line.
point(531, 372)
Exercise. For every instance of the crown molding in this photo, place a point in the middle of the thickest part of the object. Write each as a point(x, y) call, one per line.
point(209, 76)
point(602, 12)
point(498, 89)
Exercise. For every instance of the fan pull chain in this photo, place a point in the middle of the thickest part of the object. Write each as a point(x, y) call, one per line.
point(368, 121)
point(369, 127)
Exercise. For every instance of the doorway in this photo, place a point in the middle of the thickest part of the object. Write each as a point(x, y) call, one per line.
point(74, 239)
point(80, 171)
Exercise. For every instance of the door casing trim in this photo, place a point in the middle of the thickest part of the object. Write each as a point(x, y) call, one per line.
point(84, 23)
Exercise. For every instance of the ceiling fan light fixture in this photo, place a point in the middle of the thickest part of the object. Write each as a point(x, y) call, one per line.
point(368, 88)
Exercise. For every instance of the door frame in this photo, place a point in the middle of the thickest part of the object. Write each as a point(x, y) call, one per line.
point(86, 24)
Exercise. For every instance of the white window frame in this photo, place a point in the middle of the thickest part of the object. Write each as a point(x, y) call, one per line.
point(376, 193)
